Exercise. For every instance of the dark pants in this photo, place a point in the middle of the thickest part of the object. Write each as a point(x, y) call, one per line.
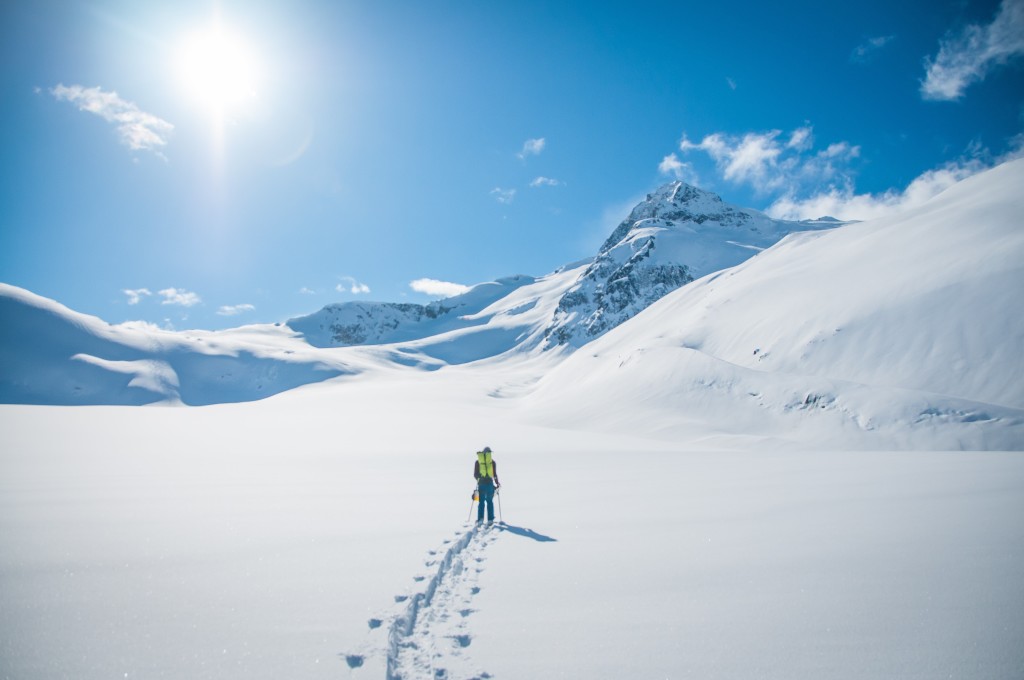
point(486, 488)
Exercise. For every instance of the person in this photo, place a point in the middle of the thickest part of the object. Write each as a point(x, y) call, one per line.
point(485, 471)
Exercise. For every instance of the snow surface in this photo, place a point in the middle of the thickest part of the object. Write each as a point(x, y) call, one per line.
point(757, 476)
point(290, 537)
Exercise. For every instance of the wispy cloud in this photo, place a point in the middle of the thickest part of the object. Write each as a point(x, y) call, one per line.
point(504, 196)
point(803, 180)
point(306, 291)
point(235, 310)
point(967, 56)
point(750, 159)
point(140, 325)
point(671, 165)
point(769, 162)
point(842, 201)
point(139, 130)
point(532, 147)
point(545, 182)
point(135, 295)
point(731, 83)
point(866, 51)
point(179, 297)
point(802, 139)
point(435, 288)
point(350, 285)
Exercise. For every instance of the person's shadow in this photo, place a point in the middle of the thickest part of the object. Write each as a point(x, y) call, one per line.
point(527, 533)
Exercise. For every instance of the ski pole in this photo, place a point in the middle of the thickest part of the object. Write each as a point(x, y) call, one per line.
point(498, 494)
point(472, 499)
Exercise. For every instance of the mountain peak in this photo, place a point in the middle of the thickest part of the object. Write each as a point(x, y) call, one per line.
point(674, 236)
point(677, 202)
point(679, 192)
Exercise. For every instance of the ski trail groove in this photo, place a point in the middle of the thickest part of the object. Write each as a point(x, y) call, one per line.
point(430, 633)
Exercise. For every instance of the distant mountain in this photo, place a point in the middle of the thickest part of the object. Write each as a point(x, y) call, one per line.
point(50, 354)
point(901, 332)
point(897, 332)
point(677, 234)
point(376, 323)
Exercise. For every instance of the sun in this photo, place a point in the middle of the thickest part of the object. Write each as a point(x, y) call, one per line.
point(217, 69)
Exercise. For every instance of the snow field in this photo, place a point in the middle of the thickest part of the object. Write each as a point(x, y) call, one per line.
point(265, 540)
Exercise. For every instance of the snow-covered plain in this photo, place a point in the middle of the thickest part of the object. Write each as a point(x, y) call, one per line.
point(267, 539)
point(758, 476)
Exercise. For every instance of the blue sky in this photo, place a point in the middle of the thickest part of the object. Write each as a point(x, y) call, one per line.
point(211, 164)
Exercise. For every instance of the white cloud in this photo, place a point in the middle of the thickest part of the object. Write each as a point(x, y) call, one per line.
point(671, 165)
point(764, 162)
point(140, 326)
point(867, 49)
point(532, 147)
point(435, 288)
point(234, 310)
point(350, 285)
point(802, 139)
point(731, 83)
point(139, 130)
point(504, 196)
point(182, 298)
point(751, 159)
point(808, 184)
point(545, 182)
point(135, 295)
point(967, 57)
point(306, 291)
point(844, 203)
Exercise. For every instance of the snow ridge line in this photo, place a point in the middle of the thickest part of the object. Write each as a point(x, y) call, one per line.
point(404, 625)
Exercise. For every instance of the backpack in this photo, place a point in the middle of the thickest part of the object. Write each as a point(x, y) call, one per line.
point(486, 464)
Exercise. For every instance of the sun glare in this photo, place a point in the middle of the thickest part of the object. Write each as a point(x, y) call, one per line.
point(217, 69)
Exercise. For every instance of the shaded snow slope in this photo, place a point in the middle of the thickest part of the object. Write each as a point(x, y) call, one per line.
point(677, 234)
point(489, 320)
point(880, 331)
point(374, 323)
point(50, 354)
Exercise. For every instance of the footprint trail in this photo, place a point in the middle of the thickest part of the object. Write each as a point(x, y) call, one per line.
point(429, 636)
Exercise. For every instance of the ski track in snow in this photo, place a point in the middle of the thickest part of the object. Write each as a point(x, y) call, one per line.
point(429, 636)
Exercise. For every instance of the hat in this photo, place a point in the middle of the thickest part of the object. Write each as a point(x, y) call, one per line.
point(487, 449)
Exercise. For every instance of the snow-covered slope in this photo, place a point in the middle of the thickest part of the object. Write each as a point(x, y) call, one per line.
point(677, 234)
point(487, 321)
point(902, 332)
point(871, 332)
point(50, 354)
point(374, 323)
